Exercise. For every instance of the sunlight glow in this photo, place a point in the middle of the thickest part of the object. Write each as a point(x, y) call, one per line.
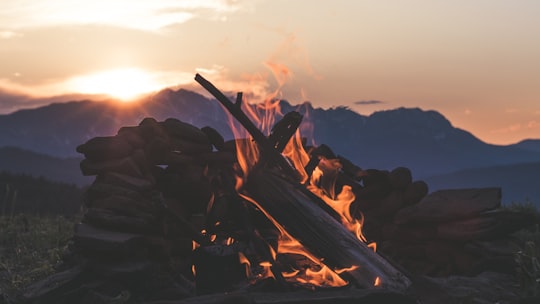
point(143, 15)
point(124, 84)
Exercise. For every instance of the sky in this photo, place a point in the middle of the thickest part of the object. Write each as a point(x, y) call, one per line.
point(477, 62)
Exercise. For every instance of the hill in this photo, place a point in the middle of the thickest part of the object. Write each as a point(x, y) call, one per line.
point(21, 193)
point(20, 161)
point(519, 182)
point(529, 144)
point(422, 140)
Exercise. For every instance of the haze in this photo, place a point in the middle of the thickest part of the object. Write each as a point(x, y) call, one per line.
point(477, 62)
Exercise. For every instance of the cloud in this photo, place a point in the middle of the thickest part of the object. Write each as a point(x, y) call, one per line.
point(101, 82)
point(9, 34)
point(144, 15)
point(367, 102)
point(533, 124)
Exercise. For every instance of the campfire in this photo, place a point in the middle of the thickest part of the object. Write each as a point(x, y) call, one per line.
point(312, 217)
point(177, 212)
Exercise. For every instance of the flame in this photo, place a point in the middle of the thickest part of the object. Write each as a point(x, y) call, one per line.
point(264, 115)
point(194, 245)
point(288, 244)
point(244, 260)
point(343, 200)
point(377, 282)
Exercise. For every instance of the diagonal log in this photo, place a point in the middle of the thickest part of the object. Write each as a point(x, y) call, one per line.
point(320, 233)
point(264, 144)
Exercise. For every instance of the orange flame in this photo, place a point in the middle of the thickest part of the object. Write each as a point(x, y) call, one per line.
point(244, 260)
point(343, 200)
point(288, 244)
point(264, 116)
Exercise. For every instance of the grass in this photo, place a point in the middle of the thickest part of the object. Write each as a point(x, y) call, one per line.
point(528, 257)
point(30, 248)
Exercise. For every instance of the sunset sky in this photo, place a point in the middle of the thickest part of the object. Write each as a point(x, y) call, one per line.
point(475, 61)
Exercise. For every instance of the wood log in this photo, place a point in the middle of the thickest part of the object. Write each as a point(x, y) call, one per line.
point(284, 129)
point(264, 144)
point(321, 233)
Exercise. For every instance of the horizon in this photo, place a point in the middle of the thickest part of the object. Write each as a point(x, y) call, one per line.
point(147, 97)
point(473, 62)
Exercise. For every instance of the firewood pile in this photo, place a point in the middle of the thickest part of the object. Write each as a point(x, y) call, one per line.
point(448, 232)
point(163, 221)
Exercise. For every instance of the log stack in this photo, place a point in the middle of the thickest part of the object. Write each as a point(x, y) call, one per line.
point(447, 232)
point(142, 211)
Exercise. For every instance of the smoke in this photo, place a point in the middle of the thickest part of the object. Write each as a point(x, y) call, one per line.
point(367, 102)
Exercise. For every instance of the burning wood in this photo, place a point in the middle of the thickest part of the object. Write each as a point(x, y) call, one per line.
point(290, 206)
point(178, 205)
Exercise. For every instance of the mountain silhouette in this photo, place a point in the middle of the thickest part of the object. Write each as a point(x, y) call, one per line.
point(519, 182)
point(66, 170)
point(422, 140)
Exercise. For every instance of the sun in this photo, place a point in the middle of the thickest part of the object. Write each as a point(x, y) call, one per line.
point(123, 84)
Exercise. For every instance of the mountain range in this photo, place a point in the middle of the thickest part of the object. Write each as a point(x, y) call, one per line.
point(422, 140)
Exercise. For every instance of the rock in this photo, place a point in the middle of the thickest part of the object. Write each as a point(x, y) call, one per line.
point(124, 165)
point(150, 129)
point(469, 229)
point(182, 130)
point(100, 190)
point(90, 240)
point(454, 204)
point(53, 285)
point(388, 205)
point(105, 148)
point(485, 288)
point(415, 192)
point(133, 135)
point(188, 147)
point(123, 205)
point(103, 218)
point(214, 137)
point(412, 232)
point(126, 181)
point(400, 178)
